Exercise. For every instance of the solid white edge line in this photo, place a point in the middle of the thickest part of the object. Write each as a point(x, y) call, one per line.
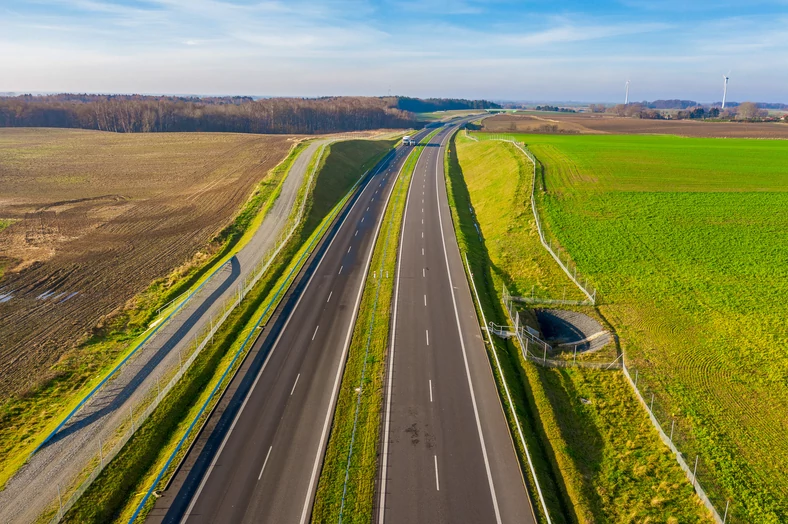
point(295, 384)
point(265, 461)
point(393, 331)
point(437, 480)
point(337, 380)
point(462, 345)
point(265, 364)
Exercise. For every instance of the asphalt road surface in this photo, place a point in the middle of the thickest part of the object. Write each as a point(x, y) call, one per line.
point(57, 463)
point(259, 457)
point(447, 451)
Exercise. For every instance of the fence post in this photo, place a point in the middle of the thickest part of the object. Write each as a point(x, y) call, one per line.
point(60, 503)
point(544, 357)
point(636, 379)
point(672, 424)
point(695, 470)
point(101, 455)
point(727, 503)
point(575, 359)
point(651, 407)
point(131, 418)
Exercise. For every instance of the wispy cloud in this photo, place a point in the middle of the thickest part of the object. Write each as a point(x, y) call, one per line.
point(501, 49)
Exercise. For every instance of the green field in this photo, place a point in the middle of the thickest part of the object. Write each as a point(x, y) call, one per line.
point(686, 240)
point(603, 460)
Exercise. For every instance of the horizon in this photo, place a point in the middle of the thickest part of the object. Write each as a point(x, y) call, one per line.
point(568, 103)
point(467, 49)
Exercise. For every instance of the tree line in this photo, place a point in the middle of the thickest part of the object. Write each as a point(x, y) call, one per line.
point(748, 111)
point(426, 105)
point(143, 114)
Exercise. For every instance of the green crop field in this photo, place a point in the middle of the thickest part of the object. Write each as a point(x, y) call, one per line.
point(609, 462)
point(686, 240)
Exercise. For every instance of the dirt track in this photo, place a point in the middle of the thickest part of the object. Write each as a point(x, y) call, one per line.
point(98, 217)
point(585, 123)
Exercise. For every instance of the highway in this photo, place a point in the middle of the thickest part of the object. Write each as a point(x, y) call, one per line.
point(447, 451)
point(259, 457)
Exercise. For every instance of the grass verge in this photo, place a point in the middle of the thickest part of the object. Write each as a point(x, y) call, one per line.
point(116, 492)
point(471, 243)
point(27, 419)
point(606, 460)
point(364, 369)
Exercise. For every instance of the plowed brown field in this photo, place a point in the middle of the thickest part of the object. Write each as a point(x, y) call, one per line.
point(96, 217)
point(587, 123)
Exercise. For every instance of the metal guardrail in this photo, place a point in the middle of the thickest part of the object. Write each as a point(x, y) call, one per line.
point(508, 395)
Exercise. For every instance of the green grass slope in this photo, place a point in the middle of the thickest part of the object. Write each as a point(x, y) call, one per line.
point(686, 240)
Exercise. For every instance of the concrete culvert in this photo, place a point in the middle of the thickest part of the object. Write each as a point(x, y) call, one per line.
point(566, 329)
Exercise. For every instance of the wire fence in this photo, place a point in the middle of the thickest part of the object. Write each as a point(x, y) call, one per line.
point(141, 410)
point(677, 434)
point(535, 349)
point(678, 437)
point(553, 247)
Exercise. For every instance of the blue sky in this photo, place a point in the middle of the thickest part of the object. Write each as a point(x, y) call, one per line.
point(514, 50)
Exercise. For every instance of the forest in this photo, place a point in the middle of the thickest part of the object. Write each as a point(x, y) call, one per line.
point(146, 114)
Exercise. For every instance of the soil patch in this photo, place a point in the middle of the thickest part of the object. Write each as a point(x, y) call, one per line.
point(97, 217)
point(573, 123)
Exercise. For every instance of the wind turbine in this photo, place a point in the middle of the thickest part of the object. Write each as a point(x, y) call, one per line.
point(626, 97)
point(724, 88)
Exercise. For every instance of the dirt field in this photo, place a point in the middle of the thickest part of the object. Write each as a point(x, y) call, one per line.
point(95, 217)
point(599, 124)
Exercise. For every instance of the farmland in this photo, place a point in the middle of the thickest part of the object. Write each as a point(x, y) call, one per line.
point(99, 216)
point(686, 239)
point(601, 461)
point(584, 123)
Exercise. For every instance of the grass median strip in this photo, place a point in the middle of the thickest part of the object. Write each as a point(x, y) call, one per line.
point(347, 481)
